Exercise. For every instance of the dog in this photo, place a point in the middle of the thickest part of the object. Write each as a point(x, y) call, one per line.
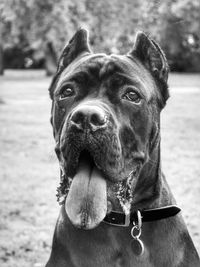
point(116, 206)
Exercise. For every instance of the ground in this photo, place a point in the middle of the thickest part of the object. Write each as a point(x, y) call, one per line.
point(29, 169)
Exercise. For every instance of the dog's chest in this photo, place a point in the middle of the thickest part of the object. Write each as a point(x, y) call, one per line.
point(123, 252)
point(109, 247)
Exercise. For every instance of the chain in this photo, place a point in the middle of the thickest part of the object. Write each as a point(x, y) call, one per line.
point(137, 244)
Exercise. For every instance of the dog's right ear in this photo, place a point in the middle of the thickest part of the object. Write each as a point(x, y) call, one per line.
point(76, 46)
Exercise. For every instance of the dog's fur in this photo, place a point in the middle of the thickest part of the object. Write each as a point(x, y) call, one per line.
point(128, 140)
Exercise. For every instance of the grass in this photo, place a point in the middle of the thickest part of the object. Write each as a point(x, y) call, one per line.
point(29, 169)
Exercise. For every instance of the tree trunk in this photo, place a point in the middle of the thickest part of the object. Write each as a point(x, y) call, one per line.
point(1, 52)
point(1, 60)
point(50, 59)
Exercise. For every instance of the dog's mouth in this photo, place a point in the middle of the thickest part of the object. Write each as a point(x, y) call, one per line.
point(85, 194)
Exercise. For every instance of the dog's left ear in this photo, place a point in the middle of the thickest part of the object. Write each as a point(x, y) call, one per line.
point(151, 55)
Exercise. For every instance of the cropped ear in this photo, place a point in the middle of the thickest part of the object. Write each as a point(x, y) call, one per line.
point(77, 45)
point(151, 55)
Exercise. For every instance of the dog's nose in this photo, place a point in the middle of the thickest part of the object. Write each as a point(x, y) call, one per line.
point(86, 116)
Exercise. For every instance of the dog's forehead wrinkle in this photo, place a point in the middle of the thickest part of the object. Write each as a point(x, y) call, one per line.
point(80, 64)
point(102, 66)
point(109, 67)
point(88, 67)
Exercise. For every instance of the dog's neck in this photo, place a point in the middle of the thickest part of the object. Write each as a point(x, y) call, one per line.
point(149, 191)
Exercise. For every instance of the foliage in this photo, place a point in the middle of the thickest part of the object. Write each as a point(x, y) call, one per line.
point(112, 24)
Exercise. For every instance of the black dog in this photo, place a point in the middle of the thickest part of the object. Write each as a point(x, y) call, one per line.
point(106, 122)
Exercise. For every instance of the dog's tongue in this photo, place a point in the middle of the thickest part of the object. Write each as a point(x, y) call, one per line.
point(86, 203)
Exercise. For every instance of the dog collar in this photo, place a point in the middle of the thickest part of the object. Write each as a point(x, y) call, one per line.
point(121, 219)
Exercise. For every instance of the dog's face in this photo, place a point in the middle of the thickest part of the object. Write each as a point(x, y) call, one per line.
point(105, 115)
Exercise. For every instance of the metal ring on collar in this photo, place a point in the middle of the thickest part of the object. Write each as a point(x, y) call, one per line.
point(135, 232)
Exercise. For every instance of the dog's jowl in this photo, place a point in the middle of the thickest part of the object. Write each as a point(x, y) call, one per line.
point(116, 207)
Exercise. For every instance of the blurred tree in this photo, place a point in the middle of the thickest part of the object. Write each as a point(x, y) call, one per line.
point(188, 55)
point(32, 25)
point(175, 24)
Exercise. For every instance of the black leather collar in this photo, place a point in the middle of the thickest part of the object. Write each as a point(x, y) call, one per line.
point(121, 219)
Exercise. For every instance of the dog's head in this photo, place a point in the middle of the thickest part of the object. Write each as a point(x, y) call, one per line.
point(105, 117)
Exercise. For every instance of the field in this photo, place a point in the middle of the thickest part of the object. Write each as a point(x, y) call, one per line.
point(29, 171)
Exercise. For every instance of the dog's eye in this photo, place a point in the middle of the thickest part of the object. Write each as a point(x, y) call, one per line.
point(132, 96)
point(66, 92)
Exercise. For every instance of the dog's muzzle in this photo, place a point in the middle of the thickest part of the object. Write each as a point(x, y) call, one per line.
point(86, 202)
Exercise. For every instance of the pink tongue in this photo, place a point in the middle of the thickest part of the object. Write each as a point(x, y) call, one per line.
point(86, 203)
